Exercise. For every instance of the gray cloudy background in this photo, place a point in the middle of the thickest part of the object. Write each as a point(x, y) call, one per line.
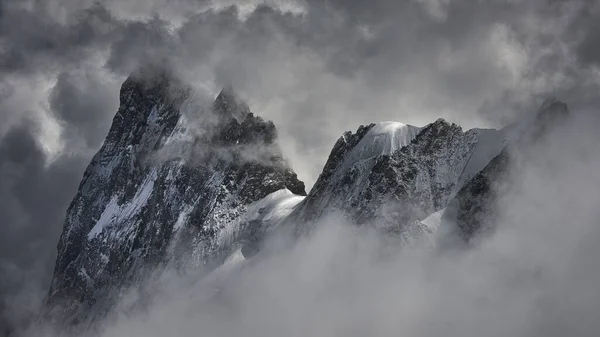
point(314, 67)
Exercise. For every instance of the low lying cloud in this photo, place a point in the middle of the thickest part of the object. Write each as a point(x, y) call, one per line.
point(316, 68)
point(535, 276)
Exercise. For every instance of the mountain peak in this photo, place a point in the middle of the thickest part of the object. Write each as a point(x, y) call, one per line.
point(383, 138)
point(150, 100)
point(552, 109)
point(154, 76)
point(158, 191)
point(229, 103)
point(551, 114)
point(227, 91)
point(151, 85)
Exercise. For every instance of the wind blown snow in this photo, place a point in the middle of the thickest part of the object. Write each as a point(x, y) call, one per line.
point(383, 139)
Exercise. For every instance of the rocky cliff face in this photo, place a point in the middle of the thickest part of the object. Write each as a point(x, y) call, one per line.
point(393, 175)
point(181, 181)
point(168, 185)
point(474, 210)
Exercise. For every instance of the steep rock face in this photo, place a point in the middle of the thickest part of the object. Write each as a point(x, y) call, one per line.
point(474, 210)
point(393, 175)
point(170, 183)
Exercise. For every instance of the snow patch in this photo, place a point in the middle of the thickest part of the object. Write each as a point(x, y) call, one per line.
point(433, 221)
point(269, 211)
point(182, 218)
point(104, 258)
point(154, 117)
point(275, 207)
point(383, 139)
point(115, 213)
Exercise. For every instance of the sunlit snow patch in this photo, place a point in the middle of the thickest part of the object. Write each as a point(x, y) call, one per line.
point(275, 207)
point(433, 221)
point(265, 215)
point(383, 139)
point(270, 212)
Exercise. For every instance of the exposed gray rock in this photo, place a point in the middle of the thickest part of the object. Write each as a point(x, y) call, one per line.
point(372, 178)
point(168, 186)
point(475, 206)
point(184, 183)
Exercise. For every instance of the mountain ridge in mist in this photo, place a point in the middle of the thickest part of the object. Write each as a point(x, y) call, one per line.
point(184, 181)
point(144, 202)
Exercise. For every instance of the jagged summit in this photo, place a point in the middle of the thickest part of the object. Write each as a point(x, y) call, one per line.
point(392, 175)
point(155, 81)
point(132, 214)
point(228, 102)
point(153, 72)
point(196, 207)
point(552, 113)
point(532, 125)
point(383, 138)
point(473, 209)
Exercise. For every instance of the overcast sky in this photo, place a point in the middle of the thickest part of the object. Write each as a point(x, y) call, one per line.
point(315, 67)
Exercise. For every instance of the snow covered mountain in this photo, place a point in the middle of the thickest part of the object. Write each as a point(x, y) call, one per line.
point(186, 182)
point(169, 184)
point(393, 175)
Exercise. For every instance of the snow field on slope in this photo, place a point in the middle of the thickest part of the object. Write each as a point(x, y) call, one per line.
point(115, 213)
point(274, 207)
point(489, 144)
point(383, 139)
point(270, 211)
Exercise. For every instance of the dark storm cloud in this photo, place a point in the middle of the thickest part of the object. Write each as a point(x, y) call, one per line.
point(81, 102)
point(318, 71)
point(33, 199)
point(140, 41)
point(32, 40)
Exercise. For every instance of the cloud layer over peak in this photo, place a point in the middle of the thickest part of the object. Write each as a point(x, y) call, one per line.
point(315, 67)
